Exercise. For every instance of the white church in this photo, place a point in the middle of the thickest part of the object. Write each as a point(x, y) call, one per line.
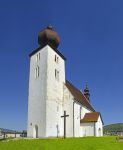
point(57, 108)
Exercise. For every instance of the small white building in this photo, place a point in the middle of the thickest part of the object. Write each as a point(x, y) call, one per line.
point(6, 133)
point(50, 94)
point(91, 124)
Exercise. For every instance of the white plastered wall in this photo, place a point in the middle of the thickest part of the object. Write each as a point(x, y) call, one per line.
point(77, 119)
point(54, 94)
point(99, 127)
point(68, 107)
point(37, 94)
point(46, 94)
point(72, 108)
point(84, 110)
point(87, 129)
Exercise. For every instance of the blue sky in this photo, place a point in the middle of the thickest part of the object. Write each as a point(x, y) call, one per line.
point(91, 39)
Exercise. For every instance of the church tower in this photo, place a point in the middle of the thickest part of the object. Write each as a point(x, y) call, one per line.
point(46, 80)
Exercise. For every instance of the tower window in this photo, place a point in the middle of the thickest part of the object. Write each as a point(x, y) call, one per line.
point(56, 59)
point(57, 74)
point(37, 72)
point(37, 57)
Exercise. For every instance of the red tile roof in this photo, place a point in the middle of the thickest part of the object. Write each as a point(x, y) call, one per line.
point(79, 96)
point(90, 117)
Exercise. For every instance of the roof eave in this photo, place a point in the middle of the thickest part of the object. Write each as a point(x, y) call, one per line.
point(39, 48)
point(88, 121)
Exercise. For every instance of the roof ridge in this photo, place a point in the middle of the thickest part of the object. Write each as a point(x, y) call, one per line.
point(80, 92)
point(73, 85)
point(92, 112)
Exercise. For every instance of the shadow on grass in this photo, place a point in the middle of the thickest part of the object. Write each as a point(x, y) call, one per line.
point(2, 139)
point(5, 139)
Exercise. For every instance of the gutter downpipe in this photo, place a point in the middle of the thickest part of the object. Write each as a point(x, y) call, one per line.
point(94, 129)
point(73, 120)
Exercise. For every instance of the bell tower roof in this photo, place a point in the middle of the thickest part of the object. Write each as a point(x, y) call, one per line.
point(49, 37)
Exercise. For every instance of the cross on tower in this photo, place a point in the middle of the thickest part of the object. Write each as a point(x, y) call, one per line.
point(64, 116)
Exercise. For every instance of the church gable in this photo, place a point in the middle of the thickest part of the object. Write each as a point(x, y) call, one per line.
point(79, 96)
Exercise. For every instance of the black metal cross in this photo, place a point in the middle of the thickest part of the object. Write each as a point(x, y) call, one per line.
point(64, 116)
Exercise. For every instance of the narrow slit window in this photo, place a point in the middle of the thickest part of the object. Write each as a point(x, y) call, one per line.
point(37, 72)
point(56, 59)
point(37, 57)
point(57, 74)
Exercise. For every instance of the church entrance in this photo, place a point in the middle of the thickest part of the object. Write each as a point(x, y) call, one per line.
point(35, 131)
point(99, 131)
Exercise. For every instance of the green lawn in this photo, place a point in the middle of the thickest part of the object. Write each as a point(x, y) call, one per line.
point(87, 143)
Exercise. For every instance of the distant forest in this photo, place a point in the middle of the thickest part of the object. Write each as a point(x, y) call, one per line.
point(114, 128)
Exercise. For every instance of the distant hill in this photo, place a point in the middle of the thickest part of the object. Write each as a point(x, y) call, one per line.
point(118, 127)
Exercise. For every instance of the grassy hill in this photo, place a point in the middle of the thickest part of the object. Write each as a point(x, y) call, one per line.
point(87, 143)
point(114, 128)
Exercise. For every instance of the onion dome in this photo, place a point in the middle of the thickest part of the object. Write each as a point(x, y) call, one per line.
point(87, 93)
point(49, 37)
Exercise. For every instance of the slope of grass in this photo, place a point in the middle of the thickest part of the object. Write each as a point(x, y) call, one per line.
point(88, 143)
